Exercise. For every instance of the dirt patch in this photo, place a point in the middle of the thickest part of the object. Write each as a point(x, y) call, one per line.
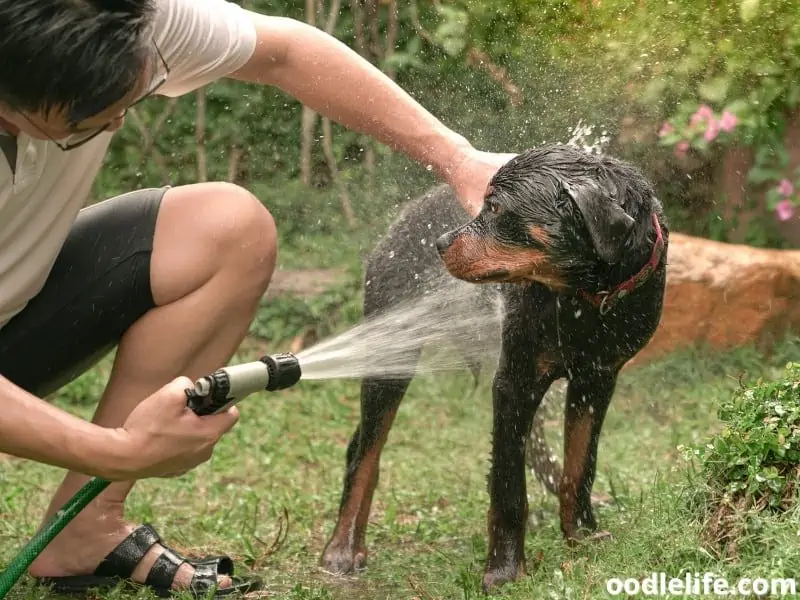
point(305, 283)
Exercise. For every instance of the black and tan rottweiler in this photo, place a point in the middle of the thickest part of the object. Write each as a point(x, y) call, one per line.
point(572, 247)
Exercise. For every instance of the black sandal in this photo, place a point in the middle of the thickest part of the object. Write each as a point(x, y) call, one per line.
point(120, 563)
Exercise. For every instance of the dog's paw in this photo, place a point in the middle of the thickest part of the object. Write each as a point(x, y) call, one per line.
point(343, 561)
point(601, 499)
point(599, 536)
point(495, 577)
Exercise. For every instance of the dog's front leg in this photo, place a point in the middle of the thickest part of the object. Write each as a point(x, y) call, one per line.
point(588, 397)
point(516, 397)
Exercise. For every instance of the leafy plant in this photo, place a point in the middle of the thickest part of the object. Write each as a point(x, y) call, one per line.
point(710, 76)
point(758, 452)
point(753, 464)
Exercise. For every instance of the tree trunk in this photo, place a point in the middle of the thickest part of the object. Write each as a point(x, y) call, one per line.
point(233, 163)
point(200, 135)
point(391, 37)
point(309, 117)
point(327, 131)
point(357, 9)
point(344, 198)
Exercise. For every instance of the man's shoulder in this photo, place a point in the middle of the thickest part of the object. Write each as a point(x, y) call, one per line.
point(202, 40)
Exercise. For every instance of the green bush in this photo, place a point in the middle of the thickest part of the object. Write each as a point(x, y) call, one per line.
point(757, 454)
point(751, 469)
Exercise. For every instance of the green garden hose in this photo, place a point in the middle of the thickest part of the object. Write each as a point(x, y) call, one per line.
point(211, 394)
point(48, 533)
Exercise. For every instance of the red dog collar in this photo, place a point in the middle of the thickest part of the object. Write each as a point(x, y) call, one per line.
point(605, 301)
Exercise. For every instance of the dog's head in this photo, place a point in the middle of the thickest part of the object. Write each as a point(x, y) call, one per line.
point(558, 216)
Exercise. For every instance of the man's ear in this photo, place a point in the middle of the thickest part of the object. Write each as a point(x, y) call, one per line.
point(608, 224)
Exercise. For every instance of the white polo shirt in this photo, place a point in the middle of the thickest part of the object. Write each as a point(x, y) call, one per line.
point(200, 40)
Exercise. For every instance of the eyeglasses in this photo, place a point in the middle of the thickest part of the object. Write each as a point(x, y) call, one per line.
point(77, 139)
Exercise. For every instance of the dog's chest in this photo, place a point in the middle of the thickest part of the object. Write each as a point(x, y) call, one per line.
point(565, 333)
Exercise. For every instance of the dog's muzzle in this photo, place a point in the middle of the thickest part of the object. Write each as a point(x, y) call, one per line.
point(444, 242)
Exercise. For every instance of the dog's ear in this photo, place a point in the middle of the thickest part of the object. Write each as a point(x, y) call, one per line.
point(608, 224)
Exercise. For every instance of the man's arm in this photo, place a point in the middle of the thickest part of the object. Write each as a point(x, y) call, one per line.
point(332, 79)
point(33, 429)
point(160, 438)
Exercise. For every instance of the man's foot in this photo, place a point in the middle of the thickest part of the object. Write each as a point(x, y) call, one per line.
point(102, 552)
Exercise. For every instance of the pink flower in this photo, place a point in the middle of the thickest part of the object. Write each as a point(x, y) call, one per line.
point(666, 129)
point(703, 113)
point(681, 148)
point(712, 130)
point(784, 210)
point(785, 188)
point(728, 121)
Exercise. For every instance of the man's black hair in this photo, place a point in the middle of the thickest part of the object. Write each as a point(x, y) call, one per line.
point(78, 55)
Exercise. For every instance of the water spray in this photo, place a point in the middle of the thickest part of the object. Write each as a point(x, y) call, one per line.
point(211, 394)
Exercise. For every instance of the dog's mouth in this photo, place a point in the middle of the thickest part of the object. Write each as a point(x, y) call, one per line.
point(518, 278)
point(490, 277)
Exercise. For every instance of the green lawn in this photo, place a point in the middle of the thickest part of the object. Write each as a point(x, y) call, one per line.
point(427, 532)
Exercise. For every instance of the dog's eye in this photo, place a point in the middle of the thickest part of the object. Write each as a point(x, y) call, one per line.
point(492, 206)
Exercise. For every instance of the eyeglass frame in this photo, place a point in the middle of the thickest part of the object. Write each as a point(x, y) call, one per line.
point(153, 89)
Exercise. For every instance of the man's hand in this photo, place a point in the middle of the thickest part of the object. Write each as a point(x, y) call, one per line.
point(470, 177)
point(164, 438)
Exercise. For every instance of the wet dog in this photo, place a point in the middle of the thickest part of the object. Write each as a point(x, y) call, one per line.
point(572, 249)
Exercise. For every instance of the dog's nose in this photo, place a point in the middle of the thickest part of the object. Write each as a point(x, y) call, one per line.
point(443, 243)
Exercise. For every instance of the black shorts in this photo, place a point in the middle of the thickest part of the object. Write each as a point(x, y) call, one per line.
point(99, 286)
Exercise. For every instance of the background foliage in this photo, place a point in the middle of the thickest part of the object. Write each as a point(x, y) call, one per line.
point(509, 74)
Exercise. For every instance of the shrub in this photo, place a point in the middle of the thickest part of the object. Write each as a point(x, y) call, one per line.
point(752, 466)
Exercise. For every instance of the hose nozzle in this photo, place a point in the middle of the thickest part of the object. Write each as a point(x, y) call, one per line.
point(227, 386)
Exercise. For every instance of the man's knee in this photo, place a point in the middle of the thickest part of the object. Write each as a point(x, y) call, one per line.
point(242, 225)
point(237, 225)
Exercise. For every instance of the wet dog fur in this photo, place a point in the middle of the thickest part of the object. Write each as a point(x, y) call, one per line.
point(559, 228)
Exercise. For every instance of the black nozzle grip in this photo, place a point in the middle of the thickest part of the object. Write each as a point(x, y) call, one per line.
point(215, 400)
point(284, 370)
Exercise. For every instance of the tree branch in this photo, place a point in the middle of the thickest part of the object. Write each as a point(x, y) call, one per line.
point(475, 57)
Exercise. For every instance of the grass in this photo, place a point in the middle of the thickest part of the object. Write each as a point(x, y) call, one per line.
point(427, 533)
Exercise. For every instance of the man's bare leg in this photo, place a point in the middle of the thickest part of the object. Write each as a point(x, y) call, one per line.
point(214, 253)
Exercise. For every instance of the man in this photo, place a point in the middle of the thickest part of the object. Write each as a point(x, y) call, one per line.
point(172, 276)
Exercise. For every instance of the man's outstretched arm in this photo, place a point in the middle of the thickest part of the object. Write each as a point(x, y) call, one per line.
point(332, 79)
